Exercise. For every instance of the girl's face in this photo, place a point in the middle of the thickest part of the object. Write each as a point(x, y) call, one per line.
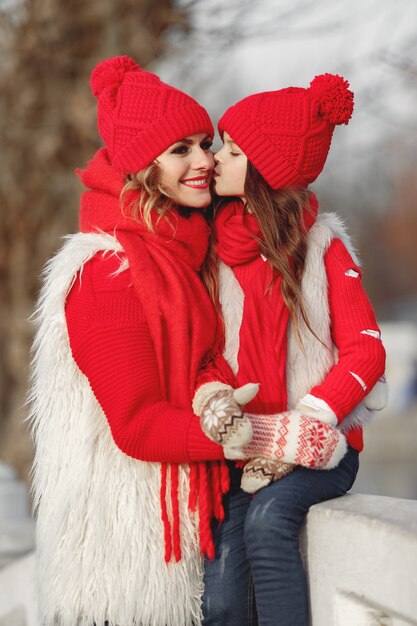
point(186, 169)
point(230, 171)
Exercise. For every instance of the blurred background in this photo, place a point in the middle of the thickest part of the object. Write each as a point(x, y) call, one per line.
point(219, 52)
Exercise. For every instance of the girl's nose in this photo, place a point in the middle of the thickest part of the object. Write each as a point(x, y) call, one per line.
point(217, 157)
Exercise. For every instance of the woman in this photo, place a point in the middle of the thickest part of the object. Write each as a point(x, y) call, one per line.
point(125, 482)
point(297, 321)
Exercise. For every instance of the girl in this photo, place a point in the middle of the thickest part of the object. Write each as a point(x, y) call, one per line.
point(125, 482)
point(298, 321)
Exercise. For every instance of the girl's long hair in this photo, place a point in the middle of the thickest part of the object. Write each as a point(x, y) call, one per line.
point(280, 214)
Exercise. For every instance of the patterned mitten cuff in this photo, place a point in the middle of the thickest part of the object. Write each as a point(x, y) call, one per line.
point(223, 422)
point(311, 406)
point(292, 437)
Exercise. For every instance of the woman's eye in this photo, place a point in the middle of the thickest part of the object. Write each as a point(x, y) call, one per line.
point(180, 150)
point(234, 153)
point(206, 145)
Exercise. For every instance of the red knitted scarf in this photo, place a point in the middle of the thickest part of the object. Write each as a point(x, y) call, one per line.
point(263, 331)
point(238, 232)
point(164, 266)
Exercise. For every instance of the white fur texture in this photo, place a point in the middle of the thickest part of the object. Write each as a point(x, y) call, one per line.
point(100, 541)
point(306, 366)
point(231, 300)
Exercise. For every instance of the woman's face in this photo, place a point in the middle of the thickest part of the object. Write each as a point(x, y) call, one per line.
point(230, 171)
point(186, 169)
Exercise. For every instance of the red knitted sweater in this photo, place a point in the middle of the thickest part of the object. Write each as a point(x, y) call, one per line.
point(111, 344)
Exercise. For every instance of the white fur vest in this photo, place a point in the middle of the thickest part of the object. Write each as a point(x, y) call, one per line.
point(100, 538)
point(306, 367)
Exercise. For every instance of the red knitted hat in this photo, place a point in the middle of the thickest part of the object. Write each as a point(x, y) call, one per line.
point(139, 116)
point(286, 134)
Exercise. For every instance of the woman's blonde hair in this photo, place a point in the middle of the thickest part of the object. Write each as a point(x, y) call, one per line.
point(152, 197)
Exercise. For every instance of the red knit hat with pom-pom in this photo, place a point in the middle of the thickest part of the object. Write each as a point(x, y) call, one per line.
point(286, 134)
point(139, 116)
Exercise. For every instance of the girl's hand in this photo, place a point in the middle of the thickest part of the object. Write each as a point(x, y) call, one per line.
point(292, 437)
point(260, 472)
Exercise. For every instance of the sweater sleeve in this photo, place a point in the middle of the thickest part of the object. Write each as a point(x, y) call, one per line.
point(355, 332)
point(215, 368)
point(215, 374)
point(111, 344)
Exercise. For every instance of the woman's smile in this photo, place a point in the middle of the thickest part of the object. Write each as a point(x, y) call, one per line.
point(198, 182)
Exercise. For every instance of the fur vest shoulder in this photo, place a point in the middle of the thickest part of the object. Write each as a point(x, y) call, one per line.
point(100, 538)
point(306, 366)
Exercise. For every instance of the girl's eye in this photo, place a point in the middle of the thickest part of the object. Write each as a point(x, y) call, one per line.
point(183, 149)
point(234, 153)
point(206, 145)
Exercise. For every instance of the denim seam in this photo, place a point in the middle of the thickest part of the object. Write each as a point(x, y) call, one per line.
point(250, 600)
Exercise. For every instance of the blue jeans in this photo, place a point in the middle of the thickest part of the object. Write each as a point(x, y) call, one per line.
point(257, 545)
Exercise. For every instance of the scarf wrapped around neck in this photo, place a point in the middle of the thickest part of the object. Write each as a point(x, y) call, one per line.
point(238, 232)
point(164, 266)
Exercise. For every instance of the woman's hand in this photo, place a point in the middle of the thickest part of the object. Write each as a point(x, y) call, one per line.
point(223, 422)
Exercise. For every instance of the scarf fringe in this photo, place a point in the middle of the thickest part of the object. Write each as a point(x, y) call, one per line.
point(208, 484)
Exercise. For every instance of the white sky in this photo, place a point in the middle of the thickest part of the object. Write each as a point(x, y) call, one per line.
point(372, 43)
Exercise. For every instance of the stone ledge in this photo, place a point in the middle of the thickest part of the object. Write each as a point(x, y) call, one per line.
point(361, 553)
point(394, 512)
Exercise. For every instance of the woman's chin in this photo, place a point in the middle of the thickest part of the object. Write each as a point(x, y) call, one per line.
point(201, 202)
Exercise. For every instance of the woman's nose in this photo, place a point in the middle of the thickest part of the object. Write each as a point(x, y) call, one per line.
point(204, 160)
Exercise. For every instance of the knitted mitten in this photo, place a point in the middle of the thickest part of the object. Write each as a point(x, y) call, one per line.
point(260, 472)
point(222, 420)
point(290, 438)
